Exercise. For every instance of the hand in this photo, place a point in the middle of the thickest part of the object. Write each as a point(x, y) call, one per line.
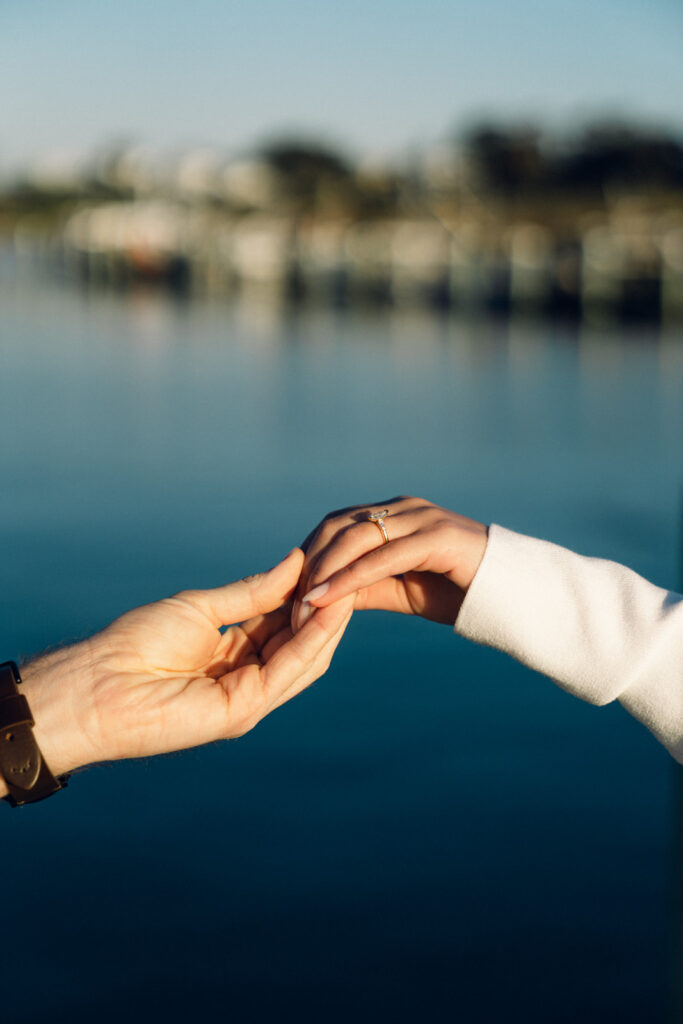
point(163, 677)
point(425, 569)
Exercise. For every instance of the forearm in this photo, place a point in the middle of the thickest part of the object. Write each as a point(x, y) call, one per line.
point(598, 629)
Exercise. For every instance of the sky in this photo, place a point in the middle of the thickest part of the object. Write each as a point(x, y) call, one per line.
point(376, 77)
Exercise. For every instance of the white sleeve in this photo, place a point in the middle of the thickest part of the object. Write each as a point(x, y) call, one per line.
point(595, 627)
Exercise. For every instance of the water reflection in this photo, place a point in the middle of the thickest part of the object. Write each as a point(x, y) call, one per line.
point(150, 445)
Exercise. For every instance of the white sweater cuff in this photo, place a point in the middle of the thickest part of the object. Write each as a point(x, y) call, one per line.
point(595, 627)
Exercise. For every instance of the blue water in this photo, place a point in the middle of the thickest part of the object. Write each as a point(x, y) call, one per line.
point(431, 833)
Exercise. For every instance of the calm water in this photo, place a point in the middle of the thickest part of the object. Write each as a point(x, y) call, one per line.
point(432, 833)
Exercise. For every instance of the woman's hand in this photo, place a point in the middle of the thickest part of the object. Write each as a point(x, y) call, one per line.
point(163, 677)
point(425, 569)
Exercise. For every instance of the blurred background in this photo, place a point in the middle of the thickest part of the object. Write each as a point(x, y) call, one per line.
point(261, 261)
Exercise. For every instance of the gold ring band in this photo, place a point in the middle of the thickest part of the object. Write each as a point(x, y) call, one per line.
point(378, 519)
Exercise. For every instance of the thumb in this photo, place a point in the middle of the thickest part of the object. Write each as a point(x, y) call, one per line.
point(253, 595)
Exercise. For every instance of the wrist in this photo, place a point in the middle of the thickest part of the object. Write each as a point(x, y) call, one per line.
point(55, 685)
point(472, 539)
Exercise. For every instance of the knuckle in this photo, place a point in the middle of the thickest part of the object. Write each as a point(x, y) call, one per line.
point(347, 533)
point(412, 503)
point(317, 576)
point(250, 580)
point(186, 597)
point(246, 724)
point(442, 528)
point(327, 530)
point(432, 514)
point(315, 542)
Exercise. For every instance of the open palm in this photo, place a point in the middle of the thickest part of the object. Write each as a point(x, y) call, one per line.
point(165, 676)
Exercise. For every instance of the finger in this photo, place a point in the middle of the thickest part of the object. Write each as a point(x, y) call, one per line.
point(253, 691)
point(319, 666)
point(340, 517)
point(350, 538)
point(326, 535)
point(296, 657)
point(388, 595)
point(246, 641)
point(428, 594)
point(249, 597)
point(232, 647)
point(350, 543)
point(275, 643)
point(408, 554)
point(364, 536)
point(322, 661)
point(341, 514)
point(344, 514)
point(263, 627)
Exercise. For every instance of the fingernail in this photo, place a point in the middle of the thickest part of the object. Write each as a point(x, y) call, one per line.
point(305, 612)
point(317, 592)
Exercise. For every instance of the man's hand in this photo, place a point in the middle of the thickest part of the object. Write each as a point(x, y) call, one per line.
point(164, 676)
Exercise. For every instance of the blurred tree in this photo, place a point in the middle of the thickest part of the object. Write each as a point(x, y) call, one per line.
point(309, 173)
point(504, 159)
point(615, 153)
point(517, 159)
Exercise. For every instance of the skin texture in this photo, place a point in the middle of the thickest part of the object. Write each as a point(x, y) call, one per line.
point(165, 676)
point(426, 568)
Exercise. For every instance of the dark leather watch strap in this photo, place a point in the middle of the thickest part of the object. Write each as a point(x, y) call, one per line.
point(22, 765)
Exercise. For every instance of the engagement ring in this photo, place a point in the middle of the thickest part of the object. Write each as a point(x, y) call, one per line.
point(378, 519)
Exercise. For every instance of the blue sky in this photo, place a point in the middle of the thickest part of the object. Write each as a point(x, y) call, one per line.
point(376, 75)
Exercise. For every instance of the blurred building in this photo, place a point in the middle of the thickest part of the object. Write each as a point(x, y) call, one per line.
point(500, 218)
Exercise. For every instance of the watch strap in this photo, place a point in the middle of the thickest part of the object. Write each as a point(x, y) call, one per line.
point(22, 765)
